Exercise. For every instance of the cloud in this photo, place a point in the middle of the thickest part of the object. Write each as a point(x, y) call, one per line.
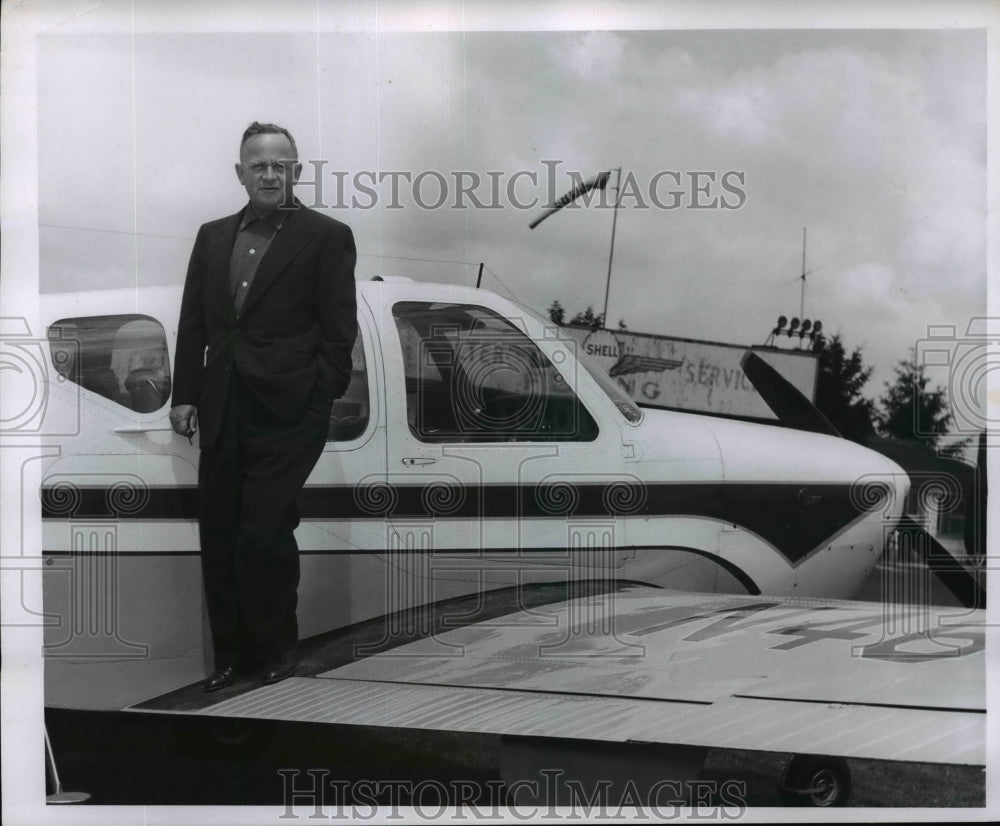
point(591, 55)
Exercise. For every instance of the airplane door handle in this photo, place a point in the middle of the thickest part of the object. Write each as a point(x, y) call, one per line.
point(129, 430)
point(411, 461)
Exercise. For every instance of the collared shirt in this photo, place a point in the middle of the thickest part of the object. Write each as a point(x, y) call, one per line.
point(253, 238)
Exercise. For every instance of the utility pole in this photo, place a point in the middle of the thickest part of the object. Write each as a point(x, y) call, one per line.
point(802, 295)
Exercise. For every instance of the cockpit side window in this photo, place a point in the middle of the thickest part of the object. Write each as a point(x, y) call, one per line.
point(472, 376)
point(120, 357)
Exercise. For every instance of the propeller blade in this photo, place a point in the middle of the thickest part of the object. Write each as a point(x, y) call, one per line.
point(793, 409)
point(964, 584)
point(967, 481)
point(786, 401)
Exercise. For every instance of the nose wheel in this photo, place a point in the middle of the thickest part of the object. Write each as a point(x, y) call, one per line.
point(815, 781)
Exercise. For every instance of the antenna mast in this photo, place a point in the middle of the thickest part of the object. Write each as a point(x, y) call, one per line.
point(802, 295)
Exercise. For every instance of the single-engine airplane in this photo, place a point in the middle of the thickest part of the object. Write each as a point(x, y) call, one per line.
point(477, 453)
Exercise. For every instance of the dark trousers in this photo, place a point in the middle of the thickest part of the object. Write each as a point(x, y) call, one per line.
point(248, 482)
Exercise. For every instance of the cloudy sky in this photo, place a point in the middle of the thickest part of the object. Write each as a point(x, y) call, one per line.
point(874, 141)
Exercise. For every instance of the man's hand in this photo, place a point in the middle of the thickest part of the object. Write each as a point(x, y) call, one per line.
point(184, 419)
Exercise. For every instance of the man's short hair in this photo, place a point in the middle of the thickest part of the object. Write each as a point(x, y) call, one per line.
point(257, 128)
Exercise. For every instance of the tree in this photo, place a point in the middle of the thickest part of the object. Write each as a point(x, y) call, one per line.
point(557, 315)
point(912, 411)
point(587, 318)
point(839, 383)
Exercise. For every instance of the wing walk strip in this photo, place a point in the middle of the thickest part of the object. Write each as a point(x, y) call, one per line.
point(738, 722)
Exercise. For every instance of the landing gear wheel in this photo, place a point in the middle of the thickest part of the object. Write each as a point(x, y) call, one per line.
point(815, 781)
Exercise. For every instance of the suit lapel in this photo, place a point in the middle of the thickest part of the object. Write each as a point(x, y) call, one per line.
point(289, 241)
point(219, 252)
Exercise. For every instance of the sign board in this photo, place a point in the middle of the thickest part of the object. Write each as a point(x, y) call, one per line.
point(686, 374)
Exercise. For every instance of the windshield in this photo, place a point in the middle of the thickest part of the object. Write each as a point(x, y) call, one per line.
point(628, 408)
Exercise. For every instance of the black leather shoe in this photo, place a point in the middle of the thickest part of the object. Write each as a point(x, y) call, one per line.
point(278, 670)
point(221, 678)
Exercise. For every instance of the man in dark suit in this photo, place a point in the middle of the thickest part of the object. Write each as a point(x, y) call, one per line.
point(267, 323)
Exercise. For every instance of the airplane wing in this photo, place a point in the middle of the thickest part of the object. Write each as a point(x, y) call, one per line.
point(641, 665)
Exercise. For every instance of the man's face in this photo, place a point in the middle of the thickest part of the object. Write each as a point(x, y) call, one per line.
point(267, 171)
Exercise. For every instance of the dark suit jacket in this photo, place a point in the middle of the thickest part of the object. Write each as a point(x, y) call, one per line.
point(294, 334)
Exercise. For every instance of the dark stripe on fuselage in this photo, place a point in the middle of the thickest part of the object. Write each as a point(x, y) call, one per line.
point(794, 518)
point(737, 573)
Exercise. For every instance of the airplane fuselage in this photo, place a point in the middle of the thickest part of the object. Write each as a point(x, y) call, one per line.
point(474, 450)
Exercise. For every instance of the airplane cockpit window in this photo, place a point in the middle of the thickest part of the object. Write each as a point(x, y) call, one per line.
point(472, 376)
point(621, 400)
point(349, 416)
point(120, 357)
